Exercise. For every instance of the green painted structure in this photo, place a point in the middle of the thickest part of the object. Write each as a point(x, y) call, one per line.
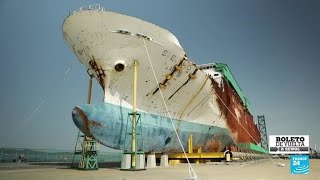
point(224, 69)
point(252, 147)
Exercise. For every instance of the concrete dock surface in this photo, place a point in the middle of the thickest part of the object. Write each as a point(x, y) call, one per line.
point(263, 170)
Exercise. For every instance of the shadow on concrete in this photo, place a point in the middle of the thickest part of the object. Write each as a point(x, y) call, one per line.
point(67, 165)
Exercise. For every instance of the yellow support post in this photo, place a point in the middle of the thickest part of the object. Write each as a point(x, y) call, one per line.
point(89, 90)
point(134, 111)
point(190, 145)
point(135, 164)
point(89, 97)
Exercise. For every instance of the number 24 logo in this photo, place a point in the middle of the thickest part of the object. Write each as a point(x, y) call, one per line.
point(296, 163)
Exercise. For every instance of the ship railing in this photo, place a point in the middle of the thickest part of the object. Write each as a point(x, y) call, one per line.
point(206, 66)
point(96, 7)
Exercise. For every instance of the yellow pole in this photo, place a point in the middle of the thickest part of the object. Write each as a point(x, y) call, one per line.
point(190, 144)
point(134, 111)
point(89, 91)
point(89, 98)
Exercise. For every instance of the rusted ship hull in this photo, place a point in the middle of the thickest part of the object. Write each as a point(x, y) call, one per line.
point(203, 100)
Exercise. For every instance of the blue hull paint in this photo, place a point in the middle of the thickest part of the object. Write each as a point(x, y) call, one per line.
point(108, 124)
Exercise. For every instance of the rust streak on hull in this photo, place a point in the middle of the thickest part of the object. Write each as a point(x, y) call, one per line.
point(233, 102)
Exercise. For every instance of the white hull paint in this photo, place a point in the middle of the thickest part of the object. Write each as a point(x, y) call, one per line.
point(96, 40)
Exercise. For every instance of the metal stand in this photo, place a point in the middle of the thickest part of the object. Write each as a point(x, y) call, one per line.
point(194, 155)
point(89, 155)
point(263, 131)
point(135, 119)
point(77, 148)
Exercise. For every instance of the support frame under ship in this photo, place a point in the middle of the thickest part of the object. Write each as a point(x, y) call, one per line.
point(203, 100)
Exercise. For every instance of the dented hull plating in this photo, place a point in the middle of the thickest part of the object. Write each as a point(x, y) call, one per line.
point(107, 43)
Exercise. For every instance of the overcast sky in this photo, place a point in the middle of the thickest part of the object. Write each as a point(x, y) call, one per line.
point(271, 46)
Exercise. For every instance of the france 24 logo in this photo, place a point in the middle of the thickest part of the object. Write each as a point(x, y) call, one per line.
point(299, 164)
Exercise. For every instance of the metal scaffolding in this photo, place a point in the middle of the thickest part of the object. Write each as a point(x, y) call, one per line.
point(263, 131)
point(89, 156)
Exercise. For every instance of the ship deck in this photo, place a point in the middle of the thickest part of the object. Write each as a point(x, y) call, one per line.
point(259, 170)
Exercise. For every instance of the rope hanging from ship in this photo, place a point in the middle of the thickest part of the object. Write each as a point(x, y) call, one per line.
point(192, 173)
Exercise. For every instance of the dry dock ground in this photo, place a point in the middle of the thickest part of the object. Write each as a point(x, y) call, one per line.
point(256, 171)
